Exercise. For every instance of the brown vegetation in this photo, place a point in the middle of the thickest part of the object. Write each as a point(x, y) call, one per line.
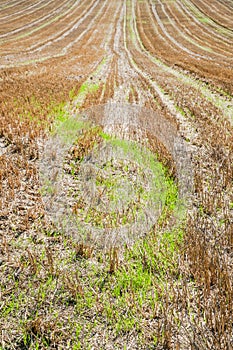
point(174, 59)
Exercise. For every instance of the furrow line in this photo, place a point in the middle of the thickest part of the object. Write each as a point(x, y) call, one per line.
point(203, 24)
point(195, 36)
point(158, 16)
point(200, 15)
point(217, 12)
point(9, 4)
point(216, 99)
point(17, 12)
point(156, 44)
point(166, 101)
point(77, 31)
point(56, 13)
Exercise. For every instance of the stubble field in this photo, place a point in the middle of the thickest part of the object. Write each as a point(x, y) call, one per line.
point(116, 174)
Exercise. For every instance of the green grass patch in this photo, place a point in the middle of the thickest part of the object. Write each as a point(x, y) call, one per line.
point(126, 182)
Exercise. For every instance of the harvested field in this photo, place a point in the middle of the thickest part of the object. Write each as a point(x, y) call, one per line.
point(116, 174)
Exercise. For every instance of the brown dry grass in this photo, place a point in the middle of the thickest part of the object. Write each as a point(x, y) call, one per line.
point(170, 290)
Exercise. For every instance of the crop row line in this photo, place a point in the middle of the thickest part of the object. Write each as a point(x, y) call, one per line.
point(213, 96)
point(20, 9)
point(48, 19)
point(196, 36)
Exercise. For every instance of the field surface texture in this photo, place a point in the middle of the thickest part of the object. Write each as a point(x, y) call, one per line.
point(116, 174)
